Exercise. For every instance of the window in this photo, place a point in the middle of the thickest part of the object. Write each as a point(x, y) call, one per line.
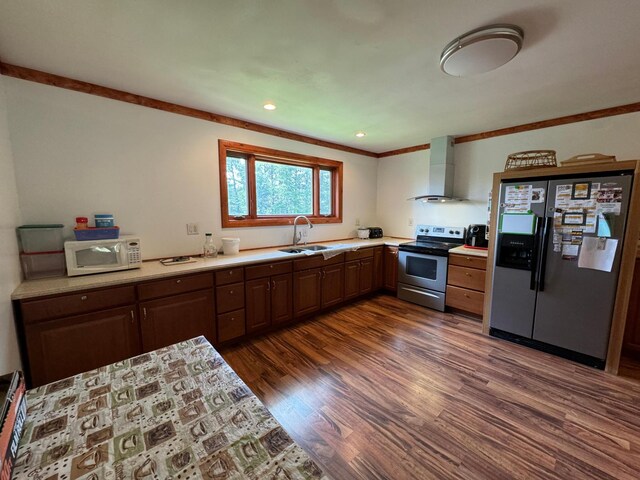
point(260, 186)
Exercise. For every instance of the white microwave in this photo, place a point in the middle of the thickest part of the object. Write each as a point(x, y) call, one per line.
point(99, 256)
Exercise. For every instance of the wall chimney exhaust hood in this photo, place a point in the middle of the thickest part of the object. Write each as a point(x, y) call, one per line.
point(441, 170)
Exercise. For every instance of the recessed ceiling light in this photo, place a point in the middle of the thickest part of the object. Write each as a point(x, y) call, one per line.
point(360, 134)
point(269, 106)
point(481, 50)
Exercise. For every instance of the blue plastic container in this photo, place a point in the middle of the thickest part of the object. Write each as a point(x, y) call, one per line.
point(97, 233)
point(105, 220)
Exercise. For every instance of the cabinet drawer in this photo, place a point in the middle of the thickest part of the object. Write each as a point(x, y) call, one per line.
point(229, 297)
point(358, 254)
point(77, 303)
point(266, 270)
point(174, 286)
point(316, 261)
point(468, 261)
point(463, 299)
point(229, 275)
point(231, 325)
point(466, 277)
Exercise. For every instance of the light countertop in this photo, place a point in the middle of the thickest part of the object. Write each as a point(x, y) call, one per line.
point(474, 252)
point(153, 269)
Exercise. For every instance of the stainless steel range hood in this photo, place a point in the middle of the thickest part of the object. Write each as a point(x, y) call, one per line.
point(441, 172)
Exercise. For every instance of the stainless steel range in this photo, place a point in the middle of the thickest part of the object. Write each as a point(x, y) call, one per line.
point(422, 265)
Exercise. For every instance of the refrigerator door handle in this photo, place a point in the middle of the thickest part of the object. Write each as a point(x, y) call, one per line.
point(543, 262)
point(534, 254)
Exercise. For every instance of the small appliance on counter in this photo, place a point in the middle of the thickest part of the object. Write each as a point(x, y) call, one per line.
point(100, 256)
point(375, 232)
point(363, 233)
point(477, 237)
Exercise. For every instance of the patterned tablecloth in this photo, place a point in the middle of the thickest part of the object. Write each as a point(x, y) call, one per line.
point(179, 412)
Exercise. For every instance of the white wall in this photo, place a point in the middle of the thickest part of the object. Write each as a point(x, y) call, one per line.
point(78, 154)
point(9, 262)
point(404, 176)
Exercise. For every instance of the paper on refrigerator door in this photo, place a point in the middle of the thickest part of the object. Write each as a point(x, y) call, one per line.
point(596, 258)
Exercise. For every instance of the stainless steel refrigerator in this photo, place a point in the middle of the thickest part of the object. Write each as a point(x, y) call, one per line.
point(557, 258)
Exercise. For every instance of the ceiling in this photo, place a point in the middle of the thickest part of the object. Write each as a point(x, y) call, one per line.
point(334, 67)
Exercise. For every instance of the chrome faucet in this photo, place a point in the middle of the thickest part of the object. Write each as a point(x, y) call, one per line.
point(298, 236)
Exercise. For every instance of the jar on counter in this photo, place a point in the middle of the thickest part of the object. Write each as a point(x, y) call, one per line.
point(105, 220)
point(82, 223)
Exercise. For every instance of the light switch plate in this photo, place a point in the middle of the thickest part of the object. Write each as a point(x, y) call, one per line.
point(192, 229)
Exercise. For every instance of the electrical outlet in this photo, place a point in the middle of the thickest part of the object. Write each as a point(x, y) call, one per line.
point(192, 229)
point(357, 222)
point(411, 222)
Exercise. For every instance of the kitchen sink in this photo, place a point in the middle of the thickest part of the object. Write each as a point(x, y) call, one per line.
point(315, 248)
point(291, 250)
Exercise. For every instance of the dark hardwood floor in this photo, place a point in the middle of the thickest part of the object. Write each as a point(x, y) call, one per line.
point(383, 389)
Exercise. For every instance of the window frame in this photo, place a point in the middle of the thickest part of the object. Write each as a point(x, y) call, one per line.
point(253, 153)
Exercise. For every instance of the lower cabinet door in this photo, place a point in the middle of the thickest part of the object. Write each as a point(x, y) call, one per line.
point(351, 279)
point(60, 348)
point(173, 319)
point(306, 292)
point(332, 285)
point(391, 269)
point(378, 268)
point(366, 275)
point(281, 298)
point(258, 304)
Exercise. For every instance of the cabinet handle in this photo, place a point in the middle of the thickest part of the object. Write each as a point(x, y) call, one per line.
point(178, 281)
point(230, 272)
point(268, 286)
point(270, 266)
point(468, 258)
point(230, 292)
point(467, 274)
point(466, 295)
point(232, 319)
point(324, 273)
point(144, 312)
point(132, 316)
point(274, 284)
point(319, 274)
point(83, 297)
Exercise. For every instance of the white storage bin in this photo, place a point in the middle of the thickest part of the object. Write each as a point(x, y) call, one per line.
point(42, 265)
point(41, 238)
point(230, 246)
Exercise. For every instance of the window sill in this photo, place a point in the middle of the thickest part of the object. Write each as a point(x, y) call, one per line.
point(272, 222)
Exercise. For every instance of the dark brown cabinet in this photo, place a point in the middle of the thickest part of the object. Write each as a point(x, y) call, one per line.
point(230, 302)
point(70, 345)
point(358, 278)
point(378, 268)
point(68, 333)
point(391, 269)
point(358, 273)
point(169, 320)
point(317, 283)
point(631, 344)
point(176, 309)
point(307, 291)
point(269, 298)
point(332, 285)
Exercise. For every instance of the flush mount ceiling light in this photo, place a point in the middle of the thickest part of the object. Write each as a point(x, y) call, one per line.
point(360, 134)
point(269, 106)
point(481, 50)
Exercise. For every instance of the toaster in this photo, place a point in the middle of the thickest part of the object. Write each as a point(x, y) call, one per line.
point(477, 236)
point(375, 232)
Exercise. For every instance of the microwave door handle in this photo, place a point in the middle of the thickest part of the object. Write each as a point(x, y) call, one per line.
point(534, 253)
point(543, 262)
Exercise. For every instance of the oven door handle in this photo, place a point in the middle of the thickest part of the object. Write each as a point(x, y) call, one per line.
point(421, 292)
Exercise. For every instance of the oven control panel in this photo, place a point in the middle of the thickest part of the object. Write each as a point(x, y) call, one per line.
point(440, 231)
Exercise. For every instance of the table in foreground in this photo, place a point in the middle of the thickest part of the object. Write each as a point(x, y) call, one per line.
point(178, 412)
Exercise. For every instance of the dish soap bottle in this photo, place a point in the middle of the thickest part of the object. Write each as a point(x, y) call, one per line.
point(210, 250)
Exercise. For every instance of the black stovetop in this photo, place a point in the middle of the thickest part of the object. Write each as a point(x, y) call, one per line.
point(429, 247)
